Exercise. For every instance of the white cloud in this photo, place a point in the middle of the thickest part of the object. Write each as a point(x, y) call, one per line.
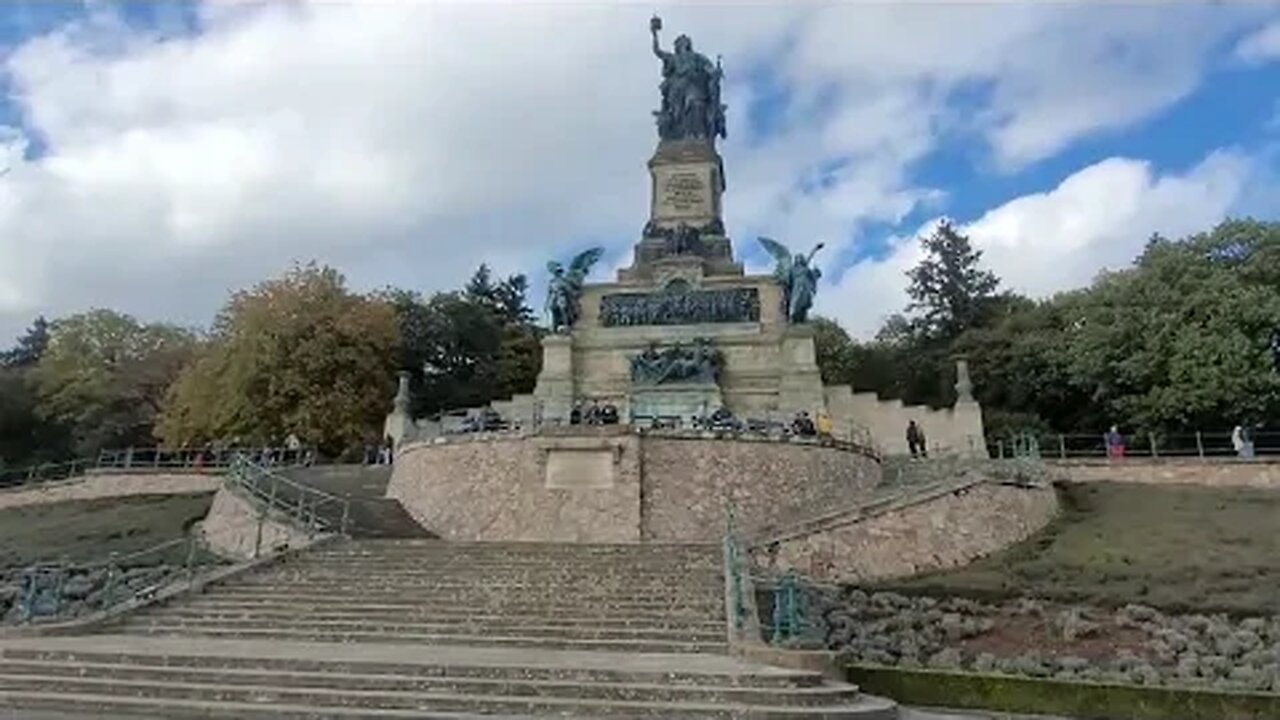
point(1098, 218)
point(406, 143)
point(1261, 46)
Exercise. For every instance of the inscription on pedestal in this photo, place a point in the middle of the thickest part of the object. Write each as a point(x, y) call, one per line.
point(683, 193)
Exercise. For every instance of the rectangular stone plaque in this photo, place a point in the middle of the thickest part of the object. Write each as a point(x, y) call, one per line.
point(683, 192)
point(693, 307)
point(569, 469)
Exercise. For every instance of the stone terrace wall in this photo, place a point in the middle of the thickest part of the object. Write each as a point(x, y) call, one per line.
point(1218, 472)
point(231, 528)
point(930, 531)
point(528, 488)
point(106, 485)
point(686, 483)
point(612, 485)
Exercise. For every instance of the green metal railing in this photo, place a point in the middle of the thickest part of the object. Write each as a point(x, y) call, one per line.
point(734, 573)
point(801, 613)
point(311, 510)
point(62, 590)
point(152, 458)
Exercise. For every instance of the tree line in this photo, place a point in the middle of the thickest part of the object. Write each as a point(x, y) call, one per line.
point(1185, 338)
point(300, 354)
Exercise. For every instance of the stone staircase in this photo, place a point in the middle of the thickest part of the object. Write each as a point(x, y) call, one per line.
point(423, 628)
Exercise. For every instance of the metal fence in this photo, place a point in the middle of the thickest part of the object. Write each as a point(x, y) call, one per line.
point(64, 589)
point(153, 458)
point(1199, 444)
point(44, 472)
point(311, 510)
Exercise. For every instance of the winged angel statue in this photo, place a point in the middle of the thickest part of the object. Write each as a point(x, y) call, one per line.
point(798, 277)
point(565, 288)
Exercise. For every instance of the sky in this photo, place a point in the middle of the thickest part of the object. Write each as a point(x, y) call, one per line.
point(157, 156)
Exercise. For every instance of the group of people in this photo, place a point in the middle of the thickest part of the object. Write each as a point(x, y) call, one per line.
point(594, 414)
point(1242, 440)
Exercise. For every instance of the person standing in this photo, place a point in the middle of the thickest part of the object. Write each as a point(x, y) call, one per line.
point(1237, 440)
point(1115, 443)
point(916, 440)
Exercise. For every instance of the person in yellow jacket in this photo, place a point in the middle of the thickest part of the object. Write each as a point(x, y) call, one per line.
point(824, 425)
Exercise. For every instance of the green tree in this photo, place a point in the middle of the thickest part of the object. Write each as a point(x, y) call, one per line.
point(30, 347)
point(468, 347)
point(25, 436)
point(103, 375)
point(948, 288)
point(297, 354)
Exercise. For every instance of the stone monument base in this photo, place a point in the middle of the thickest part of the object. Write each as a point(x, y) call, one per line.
point(683, 402)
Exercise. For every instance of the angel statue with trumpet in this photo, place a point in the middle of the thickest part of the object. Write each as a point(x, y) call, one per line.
point(565, 288)
point(798, 276)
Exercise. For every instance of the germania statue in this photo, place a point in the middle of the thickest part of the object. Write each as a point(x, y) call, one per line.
point(564, 288)
point(691, 107)
point(798, 277)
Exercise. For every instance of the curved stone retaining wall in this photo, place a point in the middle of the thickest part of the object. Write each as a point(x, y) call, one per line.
point(611, 485)
point(1216, 472)
point(106, 485)
point(923, 531)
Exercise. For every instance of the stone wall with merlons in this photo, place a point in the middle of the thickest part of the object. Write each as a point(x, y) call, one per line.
point(1217, 472)
point(608, 484)
point(933, 531)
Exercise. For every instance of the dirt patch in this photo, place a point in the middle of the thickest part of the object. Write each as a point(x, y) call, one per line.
point(1015, 635)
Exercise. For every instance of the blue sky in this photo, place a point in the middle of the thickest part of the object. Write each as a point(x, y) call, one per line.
point(164, 154)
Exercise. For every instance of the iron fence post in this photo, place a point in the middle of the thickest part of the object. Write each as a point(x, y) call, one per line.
point(191, 558)
point(109, 587)
point(257, 538)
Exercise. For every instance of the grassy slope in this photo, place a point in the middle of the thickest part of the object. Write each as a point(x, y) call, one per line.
point(1176, 547)
point(90, 529)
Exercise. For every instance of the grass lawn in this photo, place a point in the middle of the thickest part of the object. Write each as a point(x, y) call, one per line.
point(1179, 548)
point(90, 529)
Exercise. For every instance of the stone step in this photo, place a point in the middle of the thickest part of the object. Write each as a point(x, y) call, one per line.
point(293, 606)
point(456, 583)
point(428, 565)
point(179, 613)
point(364, 659)
point(455, 636)
point(471, 574)
point(96, 705)
point(14, 688)
point(567, 601)
point(531, 628)
point(507, 686)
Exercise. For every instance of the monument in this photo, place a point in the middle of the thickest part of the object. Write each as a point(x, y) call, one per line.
point(683, 332)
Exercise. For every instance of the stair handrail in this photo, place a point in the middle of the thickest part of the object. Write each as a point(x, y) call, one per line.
point(741, 619)
point(44, 590)
point(299, 503)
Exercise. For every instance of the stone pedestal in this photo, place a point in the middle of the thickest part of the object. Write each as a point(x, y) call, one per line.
point(554, 393)
point(800, 389)
point(688, 180)
point(685, 401)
